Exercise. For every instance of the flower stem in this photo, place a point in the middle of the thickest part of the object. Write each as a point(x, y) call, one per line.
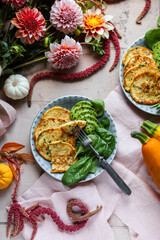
point(42, 51)
point(7, 32)
point(155, 105)
point(48, 27)
point(13, 60)
point(5, 17)
point(28, 63)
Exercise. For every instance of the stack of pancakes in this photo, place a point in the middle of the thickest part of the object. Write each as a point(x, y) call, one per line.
point(141, 76)
point(54, 139)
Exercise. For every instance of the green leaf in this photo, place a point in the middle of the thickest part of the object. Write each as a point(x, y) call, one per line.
point(4, 46)
point(99, 106)
point(94, 166)
point(158, 21)
point(108, 137)
point(6, 55)
point(152, 36)
point(104, 123)
point(97, 47)
point(17, 50)
point(82, 5)
point(8, 71)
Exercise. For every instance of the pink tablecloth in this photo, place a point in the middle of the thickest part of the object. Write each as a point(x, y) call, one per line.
point(140, 211)
point(7, 116)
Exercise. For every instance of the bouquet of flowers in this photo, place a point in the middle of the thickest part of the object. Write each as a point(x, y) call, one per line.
point(32, 31)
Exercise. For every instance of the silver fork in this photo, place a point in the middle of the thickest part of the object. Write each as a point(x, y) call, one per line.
point(86, 141)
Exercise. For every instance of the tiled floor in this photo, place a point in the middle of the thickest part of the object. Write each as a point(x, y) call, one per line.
point(96, 86)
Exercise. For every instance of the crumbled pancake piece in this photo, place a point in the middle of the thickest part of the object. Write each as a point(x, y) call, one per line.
point(68, 127)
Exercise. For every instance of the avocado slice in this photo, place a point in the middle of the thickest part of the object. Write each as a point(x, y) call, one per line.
point(90, 121)
point(90, 128)
point(83, 102)
point(84, 112)
point(88, 117)
point(75, 109)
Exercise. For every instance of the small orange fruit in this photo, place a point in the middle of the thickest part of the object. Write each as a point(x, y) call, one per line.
point(6, 176)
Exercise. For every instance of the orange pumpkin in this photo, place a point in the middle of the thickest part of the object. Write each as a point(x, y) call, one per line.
point(6, 176)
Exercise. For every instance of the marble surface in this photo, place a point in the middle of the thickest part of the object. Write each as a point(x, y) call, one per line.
point(98, 85)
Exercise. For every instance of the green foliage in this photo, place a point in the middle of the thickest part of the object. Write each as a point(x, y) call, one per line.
point(108, 137)
point(99, 106)
point(158, 21)
point(152, 36)
point(82, 5)
point(77, 171)
point(17, 50)
point(97, 46)
point(104, 123)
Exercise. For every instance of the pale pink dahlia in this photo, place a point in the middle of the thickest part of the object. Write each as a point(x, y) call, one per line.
point(96, 25)
point(31, 24)
point(64, 55)
point(66, 15)
point(16, 3)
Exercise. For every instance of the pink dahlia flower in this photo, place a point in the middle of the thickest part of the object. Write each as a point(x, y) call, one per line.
point(31, 24)
point(64, 55)
point(66, 15)
point(15, 3)
point(96, 25)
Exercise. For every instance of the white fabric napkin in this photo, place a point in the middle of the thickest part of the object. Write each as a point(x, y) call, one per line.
point(139, 211)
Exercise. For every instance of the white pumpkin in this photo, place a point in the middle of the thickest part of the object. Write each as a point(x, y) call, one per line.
point(16, 87)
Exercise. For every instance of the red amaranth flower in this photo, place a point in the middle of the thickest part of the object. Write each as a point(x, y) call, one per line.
point(31, 24)
point(72, 76)
point(144, 12)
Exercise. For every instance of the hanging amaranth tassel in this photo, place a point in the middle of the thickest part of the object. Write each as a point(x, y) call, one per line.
point(17, 214)
point(114, 35)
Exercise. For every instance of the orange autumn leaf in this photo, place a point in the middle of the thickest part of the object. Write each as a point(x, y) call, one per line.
point(13, 170)
point(25, 157)
point(12, 147)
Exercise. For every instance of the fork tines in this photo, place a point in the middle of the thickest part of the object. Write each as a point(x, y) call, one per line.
point(79, 133)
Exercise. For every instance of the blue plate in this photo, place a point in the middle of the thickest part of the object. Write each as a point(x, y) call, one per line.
point(143, 107)
point(67, 102)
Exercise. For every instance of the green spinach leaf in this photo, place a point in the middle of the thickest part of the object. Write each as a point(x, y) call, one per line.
point(99, 106)
point(94, 165)
point(108, 137)
point(77, 171)
point(104, 123)
point(152, 36)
